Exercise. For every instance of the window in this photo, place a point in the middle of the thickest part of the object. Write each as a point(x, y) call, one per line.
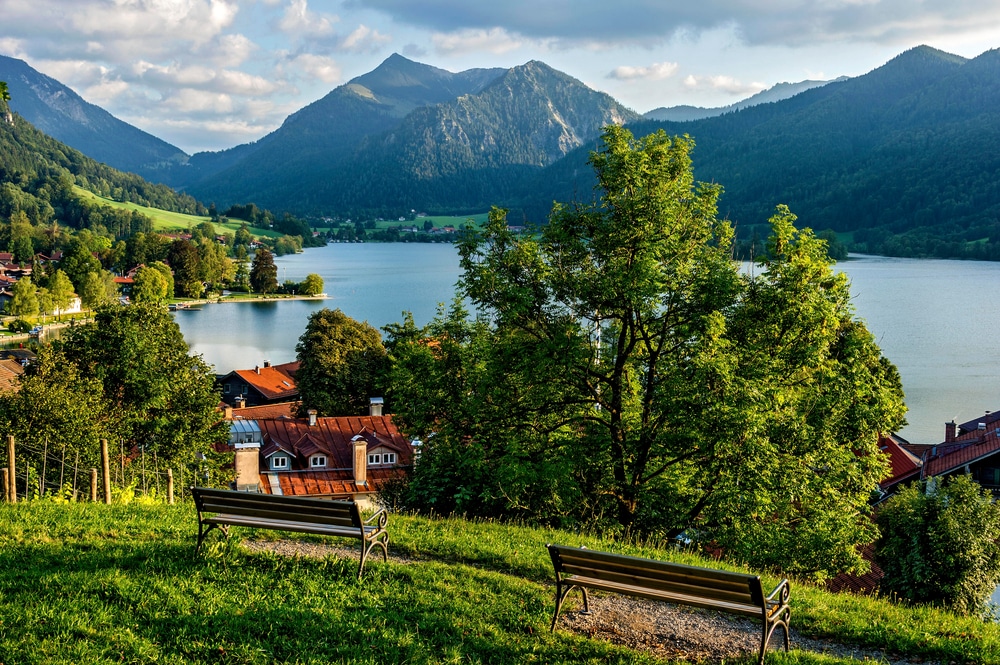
point(225, 389)
point(279, 462)
point(317, 461)
point(375, 458)
point(388, 458)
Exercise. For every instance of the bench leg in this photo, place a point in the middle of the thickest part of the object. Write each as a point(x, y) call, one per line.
point(367, 546)
point(780, 619)
point(561, 597)
point(202, 532)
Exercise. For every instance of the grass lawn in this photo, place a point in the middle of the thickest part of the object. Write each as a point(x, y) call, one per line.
point(86, 583)
point(478, 221)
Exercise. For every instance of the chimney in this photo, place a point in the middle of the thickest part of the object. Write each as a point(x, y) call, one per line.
point(267, 363)
point(949, 432)
point(228, 413)
point(256, 368)
point(240, 402)
point(374, 406)
point(360, 460)
point(247, 467)
point(312, 417)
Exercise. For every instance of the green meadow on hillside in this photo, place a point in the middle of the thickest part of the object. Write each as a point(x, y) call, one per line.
point(166, 221)
point(86, 583)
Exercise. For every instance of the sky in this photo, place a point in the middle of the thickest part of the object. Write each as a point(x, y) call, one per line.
point(211, 74)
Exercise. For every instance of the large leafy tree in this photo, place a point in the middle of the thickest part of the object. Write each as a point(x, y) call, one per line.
point(165, 398)
point(24, 301)
point(939, 544)
point(688, 396)
point(263, 272)
point(342, 364)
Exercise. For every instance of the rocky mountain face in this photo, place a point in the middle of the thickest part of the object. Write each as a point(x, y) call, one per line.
point(59, 112)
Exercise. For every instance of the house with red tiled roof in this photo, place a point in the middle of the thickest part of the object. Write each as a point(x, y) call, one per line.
point(345, 457)
point(267, 384)
point(971, 448)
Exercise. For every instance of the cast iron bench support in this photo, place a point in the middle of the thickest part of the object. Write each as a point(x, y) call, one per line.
point(736, 593)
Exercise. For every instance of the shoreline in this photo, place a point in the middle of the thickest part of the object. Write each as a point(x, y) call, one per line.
point(184, 304)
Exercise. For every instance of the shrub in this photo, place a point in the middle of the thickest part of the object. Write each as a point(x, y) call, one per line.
point(19, 326)
point(939, 544)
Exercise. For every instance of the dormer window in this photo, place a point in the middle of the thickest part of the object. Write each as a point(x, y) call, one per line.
point(381, 458)
point(317, 461)
point(279, 462)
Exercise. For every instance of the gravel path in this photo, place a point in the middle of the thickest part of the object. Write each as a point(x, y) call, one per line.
point(666, 631)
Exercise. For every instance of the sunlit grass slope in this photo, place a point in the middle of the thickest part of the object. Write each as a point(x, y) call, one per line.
point(108, 584)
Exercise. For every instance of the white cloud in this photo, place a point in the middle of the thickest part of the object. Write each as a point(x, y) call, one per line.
point(299, 21)
point(722, 83)
point(655, 72)
point(494, 40)
point(364, 40)
point(317, 67)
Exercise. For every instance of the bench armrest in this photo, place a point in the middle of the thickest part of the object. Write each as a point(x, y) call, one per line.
point(782, 589)
point(383, 518)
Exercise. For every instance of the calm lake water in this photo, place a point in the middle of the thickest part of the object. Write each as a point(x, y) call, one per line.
point(931, 318)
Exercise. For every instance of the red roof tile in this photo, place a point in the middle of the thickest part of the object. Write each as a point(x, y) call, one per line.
point(903, 465)
point(335, 484)
point(273, 382)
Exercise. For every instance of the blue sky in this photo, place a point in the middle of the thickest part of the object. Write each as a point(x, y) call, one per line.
point(211, 74)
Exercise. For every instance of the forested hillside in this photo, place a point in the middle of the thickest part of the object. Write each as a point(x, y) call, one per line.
point(56, 110)
point(901, 161)
point(37, 174)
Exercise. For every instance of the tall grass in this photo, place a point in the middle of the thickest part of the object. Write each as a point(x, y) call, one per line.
point(109, 584)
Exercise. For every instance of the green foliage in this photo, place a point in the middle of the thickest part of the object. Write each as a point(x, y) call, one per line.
point(343, 363)
point(164, 398)
point(149, 286)
point(625, 371)
point(61, 290)
point(24, 301)
point(19, 326)
point(939, 544)
point(263, 272)
point(98, 289)
point(312, 285)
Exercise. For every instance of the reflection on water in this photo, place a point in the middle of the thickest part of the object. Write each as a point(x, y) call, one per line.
point(933, 319)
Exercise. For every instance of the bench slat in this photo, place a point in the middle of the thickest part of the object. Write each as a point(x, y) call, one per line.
point(664, 584)
point(283, 525)
point(632, 562)
point(339, 519)
point(667, 574)
point(652, 594)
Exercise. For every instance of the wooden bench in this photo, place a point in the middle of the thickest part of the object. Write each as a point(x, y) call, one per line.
point(224, 508)
point(578, 567)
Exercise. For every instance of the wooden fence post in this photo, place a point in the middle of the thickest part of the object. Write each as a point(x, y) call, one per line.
point(6, 483)
point(170, 487)
point(107, 471)
point(93, 485)
point(12, 486)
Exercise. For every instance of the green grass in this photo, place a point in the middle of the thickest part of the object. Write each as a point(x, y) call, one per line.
point(478, 220)
point(108, 584)
point(169, 222)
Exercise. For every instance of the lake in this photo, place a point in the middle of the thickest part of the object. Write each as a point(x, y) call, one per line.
point(930, 317)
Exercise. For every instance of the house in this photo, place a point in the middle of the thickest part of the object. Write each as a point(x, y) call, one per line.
point(346, 457)
point(267, 384)
point(10, 375)
point(972, 448)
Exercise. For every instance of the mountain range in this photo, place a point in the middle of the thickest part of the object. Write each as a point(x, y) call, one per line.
point(900, 160)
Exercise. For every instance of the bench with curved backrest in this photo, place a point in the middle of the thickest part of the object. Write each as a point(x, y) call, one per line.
point(220, 509)
point(736, 593)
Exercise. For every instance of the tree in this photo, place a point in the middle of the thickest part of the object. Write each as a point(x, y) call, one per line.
point(185, 262)
point(149, 286)
point(681, 395)
point(168, 276)
point(342, 364)
point(77, 261)
point(263, 272)
point(164, 399)
point(98, 288)
point(938, 544)
point(24, 301)
point(61, 291)
point(312, 285)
